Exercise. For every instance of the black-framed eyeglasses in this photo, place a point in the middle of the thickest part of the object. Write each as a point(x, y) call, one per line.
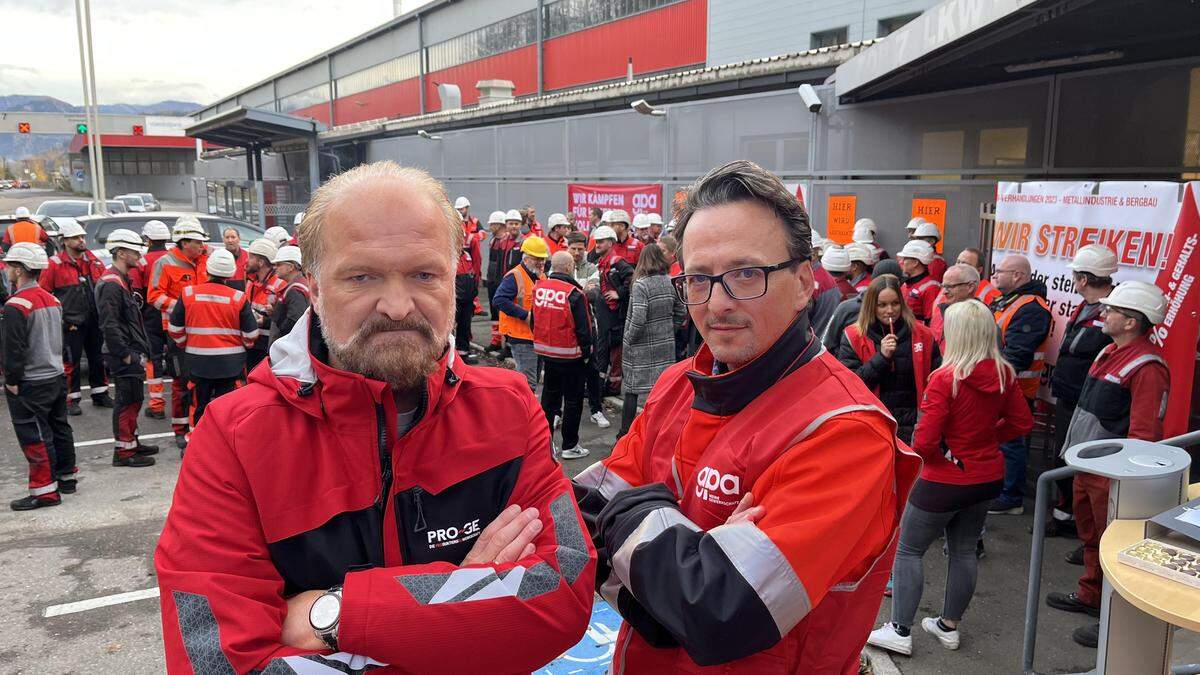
point(961, 283)
point(743, 283)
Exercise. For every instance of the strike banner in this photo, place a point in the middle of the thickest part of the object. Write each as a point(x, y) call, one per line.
point(635, 199)
point(1153, 227)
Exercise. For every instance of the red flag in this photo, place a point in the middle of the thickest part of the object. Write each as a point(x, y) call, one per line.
point(1177, 333)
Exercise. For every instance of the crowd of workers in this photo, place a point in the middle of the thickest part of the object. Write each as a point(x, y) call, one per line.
point(812, 369)
point(169, 306)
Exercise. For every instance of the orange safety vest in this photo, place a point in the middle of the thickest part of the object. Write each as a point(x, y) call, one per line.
point(25, 231)
point(987, 293)
point(554, 324)
point(829, 638)
point(511, 326)
point(172, 273)
point(1028, 379)
point(212, 321)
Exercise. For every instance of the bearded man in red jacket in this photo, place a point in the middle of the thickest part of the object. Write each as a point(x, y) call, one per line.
point(349, 509)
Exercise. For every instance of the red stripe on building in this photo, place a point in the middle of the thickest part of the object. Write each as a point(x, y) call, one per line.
point(662, 39)
point(398, 99)
point(129, 141)
point(518, 65)
point(318, 112)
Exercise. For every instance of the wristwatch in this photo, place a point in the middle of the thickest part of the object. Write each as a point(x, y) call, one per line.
point(324, 616)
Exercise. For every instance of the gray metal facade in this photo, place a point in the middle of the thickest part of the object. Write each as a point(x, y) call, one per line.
point(739, 30)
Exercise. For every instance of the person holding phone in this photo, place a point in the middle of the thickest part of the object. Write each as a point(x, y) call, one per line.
point(891, 351)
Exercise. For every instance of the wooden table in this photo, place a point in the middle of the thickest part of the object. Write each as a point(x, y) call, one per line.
point(1166, 600)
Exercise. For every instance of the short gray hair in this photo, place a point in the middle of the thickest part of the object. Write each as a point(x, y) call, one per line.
point(745, 181)
point(312, 246)
point(965, 272)
point(562, 262)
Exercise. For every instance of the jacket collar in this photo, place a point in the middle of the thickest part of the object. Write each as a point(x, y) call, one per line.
point(567, 278)
point(719, 391)
point(916, 279)
point(299, 370)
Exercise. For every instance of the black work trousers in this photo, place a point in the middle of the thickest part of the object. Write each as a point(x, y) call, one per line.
point(562, 389)
point(80, 341)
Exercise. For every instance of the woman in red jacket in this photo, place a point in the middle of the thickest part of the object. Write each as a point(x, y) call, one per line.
point(971, 405)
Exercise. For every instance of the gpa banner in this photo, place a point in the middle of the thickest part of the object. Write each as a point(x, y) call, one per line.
point(1153, 227)
point(635, 199)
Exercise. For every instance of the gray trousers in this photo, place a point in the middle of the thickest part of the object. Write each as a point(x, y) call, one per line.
point(918, 530)
point(527, 361)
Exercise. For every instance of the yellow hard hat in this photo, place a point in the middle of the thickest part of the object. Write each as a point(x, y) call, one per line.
point(536, 247)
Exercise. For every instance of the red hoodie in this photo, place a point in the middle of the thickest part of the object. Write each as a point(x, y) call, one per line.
point(959, 436)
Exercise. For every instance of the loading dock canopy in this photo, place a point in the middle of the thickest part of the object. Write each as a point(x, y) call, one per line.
point(963, 43)
point(252, 128)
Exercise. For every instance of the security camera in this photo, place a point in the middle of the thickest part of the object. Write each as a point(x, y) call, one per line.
point(811, 100)
point(428, 136)
point(644, 108)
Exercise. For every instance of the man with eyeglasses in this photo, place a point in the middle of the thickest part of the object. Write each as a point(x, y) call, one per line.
point(959, 283)
point(748, 516)
point(1023, 317)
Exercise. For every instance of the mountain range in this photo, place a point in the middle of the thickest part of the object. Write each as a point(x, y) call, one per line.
point(49, 104)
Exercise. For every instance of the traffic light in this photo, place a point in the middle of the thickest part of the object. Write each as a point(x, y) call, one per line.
point(138, 130)
point(81, 128)
point(23, 127)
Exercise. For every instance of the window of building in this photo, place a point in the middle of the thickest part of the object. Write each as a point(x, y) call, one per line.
point(889, 26)
point(830, 38)
point(567, 16)
point(388, 72)
point(502, 36)
point(304, 99)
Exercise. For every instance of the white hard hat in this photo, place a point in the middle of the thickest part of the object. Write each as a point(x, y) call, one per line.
point(264, 247)
point(21, 212)
point(654, 218)
point(912, 224)
point(927, 229)
point(70, 228)
point(557, 219)
point(513, 214)
point(156, 230)
point(278, 235)
point(1140, 297)
point(188, 227)
point(918, 250)
point(123, 238)
point(1095, 258)
point(617, 216)
point(860, 252)
point(220, 264)
point(497, 218)
point(835, 259)
point(288, 254)
point(298, 219)
point(670, 226)
point(864, 231)
point(28, 254)
point(604, 232)
point(640, 221)
point(462, 203)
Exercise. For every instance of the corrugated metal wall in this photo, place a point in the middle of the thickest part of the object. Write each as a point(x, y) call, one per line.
point(518, 65)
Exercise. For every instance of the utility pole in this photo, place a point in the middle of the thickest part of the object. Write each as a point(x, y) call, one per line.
point(93, 141)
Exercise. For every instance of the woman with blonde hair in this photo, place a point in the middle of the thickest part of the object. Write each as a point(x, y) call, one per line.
point(971, 406)
point(891, 351)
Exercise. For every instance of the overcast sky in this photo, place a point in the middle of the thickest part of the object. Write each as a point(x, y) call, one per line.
point(152, 50)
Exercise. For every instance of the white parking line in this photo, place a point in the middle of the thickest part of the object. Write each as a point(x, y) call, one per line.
point(105, 441)
point(85, 605)
point(88, 387)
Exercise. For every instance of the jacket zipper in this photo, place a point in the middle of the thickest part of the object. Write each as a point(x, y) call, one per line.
point(420, 525)
point(385, 474)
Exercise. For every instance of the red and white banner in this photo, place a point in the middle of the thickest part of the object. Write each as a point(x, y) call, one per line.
point(1153, 227)
point(635, 199)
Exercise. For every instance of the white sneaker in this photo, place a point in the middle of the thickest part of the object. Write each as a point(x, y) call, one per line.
point(949, 639)
point(886, 637)
point(574, 453)
point(558, 421)
point(600, 420)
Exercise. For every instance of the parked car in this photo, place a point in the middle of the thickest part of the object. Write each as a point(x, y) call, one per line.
point(52, 226)
point(74, 208)
point(149, 200)
point(132, 202)
point(98, 227)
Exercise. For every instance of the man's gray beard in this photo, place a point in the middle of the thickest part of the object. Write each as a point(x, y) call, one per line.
point(404, 366)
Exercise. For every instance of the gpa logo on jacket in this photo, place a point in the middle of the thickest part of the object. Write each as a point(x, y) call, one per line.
point(918, 347)
point(718, 488)
point(548, 297)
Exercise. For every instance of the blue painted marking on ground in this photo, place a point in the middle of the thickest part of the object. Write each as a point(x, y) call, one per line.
point(594, 652)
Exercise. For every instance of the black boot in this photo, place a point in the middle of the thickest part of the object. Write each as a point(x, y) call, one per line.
point(1075, 557)
point(1069, 602)
point(156, 414)
point(103, 401)
point(30, 503)
point(146, 450)
point(181, 441)
point(73, 408)
point(135, 461)
point(1088, 636)
point(68, 486)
